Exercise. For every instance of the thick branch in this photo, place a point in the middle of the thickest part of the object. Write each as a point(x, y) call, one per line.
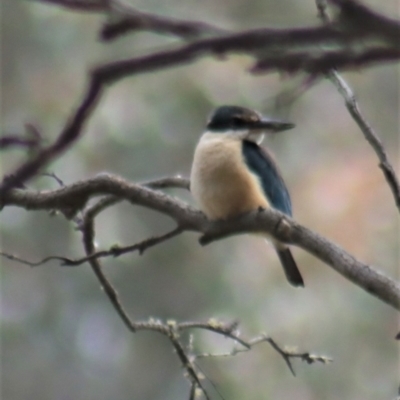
point(287, 230)
point(357, 16)
point(318, 62)
point(354, 16)
point(280, 226)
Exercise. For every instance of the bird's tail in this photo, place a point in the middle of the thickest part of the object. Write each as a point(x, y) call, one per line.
point(290, 267)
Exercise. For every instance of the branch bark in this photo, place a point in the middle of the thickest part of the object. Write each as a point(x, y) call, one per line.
point(74, 197)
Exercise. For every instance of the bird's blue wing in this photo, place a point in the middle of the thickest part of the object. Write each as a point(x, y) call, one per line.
point(261, 164)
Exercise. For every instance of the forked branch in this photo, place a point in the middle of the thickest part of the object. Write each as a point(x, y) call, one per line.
point(74, 198)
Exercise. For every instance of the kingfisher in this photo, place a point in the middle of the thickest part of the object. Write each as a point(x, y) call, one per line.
point(232, 174)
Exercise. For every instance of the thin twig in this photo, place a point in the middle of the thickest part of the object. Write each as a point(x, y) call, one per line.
point(131, 20)
point(368, 132)
point(350, 99)
point(43, 261)
point(185, 360)
point(322, 11)
point(286, 354)
point(31, 140)
point(192, 393)
point(55, 177)
point(8, 141)
point(215, 326)
point(288, 96)
point(88, 236)
point(116, 251)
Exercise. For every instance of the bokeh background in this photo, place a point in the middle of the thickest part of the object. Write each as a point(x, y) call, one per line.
point(61, 339)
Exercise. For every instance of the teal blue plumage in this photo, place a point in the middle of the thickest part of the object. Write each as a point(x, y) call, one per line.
point(263, 166)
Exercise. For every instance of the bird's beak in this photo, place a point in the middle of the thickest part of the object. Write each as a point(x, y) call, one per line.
point(257, 129)
point(272, 125)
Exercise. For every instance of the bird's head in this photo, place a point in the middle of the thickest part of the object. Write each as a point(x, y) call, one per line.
point(243, 123)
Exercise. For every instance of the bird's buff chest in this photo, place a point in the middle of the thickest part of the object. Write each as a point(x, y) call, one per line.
point(221, 183)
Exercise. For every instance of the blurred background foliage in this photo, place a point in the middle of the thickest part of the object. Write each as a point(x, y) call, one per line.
point(61, 339)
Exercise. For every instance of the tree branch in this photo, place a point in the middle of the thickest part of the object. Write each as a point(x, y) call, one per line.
point(88, 236)
point(287, 230)
point(356, 16)
point(286, 354)
point(368, 132)
point(280, 226)
point(171, 329)
point(8, 141)
point(352, 106)
point(79, 5)
point(259, 43)
point(320, 61)
point(31, 140)
point(133, 20)
point(286, 49)
point(116, 250)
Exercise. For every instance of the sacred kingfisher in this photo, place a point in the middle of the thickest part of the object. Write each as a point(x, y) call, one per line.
point(231, 174)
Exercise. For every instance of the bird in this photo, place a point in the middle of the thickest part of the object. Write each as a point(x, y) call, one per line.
point(232, 174)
